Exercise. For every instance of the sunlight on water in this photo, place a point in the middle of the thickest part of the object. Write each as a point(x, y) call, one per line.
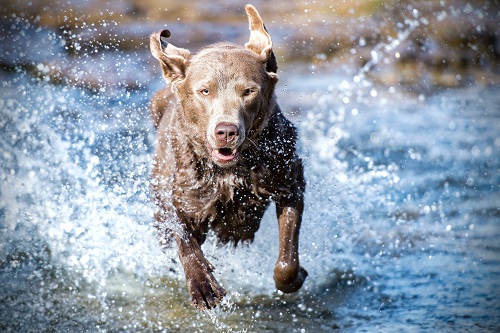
point(400, 230)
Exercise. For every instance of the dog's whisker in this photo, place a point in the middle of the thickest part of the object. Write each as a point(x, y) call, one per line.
point(253, 142)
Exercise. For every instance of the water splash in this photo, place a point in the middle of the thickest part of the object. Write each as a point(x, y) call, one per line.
point(55, 186)
point(74, 197)
point(388, 193)
point(384, 51)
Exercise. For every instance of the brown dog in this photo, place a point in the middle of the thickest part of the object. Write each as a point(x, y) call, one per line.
point(224, 151)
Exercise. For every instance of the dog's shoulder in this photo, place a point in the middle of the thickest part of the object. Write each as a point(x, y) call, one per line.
point(280, 135)
point(276, 162)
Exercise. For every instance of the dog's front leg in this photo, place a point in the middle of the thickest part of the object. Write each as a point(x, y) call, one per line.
point(204, 289)
point(288, 274)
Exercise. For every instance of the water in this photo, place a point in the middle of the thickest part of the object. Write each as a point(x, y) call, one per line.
point(400, 233)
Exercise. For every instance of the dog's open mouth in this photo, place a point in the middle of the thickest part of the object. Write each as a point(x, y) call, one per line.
point(224, 155)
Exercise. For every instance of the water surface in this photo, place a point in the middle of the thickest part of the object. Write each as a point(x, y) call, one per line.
point(400, 233)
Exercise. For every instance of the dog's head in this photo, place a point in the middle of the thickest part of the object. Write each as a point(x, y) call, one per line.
point(225, 91)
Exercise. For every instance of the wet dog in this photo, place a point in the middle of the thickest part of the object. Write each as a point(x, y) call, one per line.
point(224, 152)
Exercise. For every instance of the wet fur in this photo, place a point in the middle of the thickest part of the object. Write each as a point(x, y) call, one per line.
point(231, 201)
point(195, 193)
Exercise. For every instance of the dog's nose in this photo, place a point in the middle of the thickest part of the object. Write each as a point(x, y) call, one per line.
point(226, 132)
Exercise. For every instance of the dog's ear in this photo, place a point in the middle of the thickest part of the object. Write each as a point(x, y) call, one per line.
point(173, 60)
point(260, 40)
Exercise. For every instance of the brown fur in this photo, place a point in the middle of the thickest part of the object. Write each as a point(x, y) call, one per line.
point(224, 152)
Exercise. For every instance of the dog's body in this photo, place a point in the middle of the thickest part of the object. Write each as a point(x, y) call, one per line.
point(224, 152)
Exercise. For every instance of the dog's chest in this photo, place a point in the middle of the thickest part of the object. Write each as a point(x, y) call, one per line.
point(238, 211)
point(226, 188)
point(202, 196)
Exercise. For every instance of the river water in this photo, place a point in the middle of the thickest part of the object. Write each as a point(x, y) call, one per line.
point(400, 234)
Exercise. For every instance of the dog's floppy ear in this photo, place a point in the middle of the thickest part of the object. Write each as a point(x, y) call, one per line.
point(260, 40)
point(173, 60)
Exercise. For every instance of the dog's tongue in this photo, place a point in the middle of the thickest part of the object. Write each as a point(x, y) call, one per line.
point(224, 154)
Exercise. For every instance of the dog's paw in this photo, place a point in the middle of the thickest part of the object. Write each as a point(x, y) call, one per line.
point(204, 289)
point(293, 286)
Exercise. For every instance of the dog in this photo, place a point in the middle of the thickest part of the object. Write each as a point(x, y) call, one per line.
point(224, 152)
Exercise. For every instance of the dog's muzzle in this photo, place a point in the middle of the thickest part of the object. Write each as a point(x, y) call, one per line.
point(227, 138)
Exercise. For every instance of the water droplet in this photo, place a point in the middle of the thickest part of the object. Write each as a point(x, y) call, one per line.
point(476, 151)
point(375, 137)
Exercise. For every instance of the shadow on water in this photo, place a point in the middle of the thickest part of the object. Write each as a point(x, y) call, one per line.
point(401, 229)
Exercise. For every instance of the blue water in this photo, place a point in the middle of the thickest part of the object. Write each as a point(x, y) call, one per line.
point(401, 231)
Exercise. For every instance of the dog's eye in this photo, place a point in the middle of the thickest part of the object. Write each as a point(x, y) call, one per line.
point(248, 91)
point(205, 92)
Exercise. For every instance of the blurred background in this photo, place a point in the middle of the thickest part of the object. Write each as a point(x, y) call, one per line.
point(450, 43)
